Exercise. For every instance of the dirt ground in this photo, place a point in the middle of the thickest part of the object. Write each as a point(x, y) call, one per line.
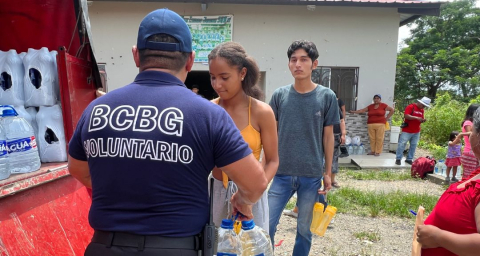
point(394, 234)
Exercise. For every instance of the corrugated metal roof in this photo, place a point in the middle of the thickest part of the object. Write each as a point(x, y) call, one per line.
point(358, 1)
point(409, 10)
point(293, 2)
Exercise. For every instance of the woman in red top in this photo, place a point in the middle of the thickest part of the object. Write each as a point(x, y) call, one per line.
point(376, 123)
point(453, 227)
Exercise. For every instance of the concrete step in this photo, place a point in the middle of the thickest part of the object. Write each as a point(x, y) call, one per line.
point(350, 166)
point(437, 179)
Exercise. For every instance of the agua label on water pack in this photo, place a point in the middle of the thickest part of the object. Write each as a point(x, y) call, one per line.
point(3, 147)
point(21, 145)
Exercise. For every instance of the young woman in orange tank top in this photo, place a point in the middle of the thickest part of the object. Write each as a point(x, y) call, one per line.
point(234, 76)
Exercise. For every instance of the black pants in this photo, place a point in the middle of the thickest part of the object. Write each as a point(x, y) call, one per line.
point(123, 244)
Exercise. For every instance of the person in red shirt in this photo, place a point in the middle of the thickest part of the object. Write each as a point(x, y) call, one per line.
point(376, 123)
point(453, 226)
point(414, 117)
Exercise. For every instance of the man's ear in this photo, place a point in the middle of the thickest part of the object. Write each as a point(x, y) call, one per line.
point(136, 56)
point(315, 64)
point(190, 61)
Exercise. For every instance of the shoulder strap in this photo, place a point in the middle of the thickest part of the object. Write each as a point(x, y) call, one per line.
point(413, 107)
point(249, 109)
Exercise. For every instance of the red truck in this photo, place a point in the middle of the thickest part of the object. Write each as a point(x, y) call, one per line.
point(46, 212)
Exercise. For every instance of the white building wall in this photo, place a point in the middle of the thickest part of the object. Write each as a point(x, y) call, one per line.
point(345, 36)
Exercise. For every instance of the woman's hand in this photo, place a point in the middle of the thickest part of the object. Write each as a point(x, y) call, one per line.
point(100, 92)
point(427, 236)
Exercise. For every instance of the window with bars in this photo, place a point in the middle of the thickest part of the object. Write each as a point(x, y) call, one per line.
point(343, 80)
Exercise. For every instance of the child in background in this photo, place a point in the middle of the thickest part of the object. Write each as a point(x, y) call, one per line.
point(453, 156)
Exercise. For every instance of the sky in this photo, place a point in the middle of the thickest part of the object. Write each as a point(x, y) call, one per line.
point(404, 32)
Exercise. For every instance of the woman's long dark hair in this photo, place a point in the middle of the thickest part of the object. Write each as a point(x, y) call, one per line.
point(236, 56)
point(470, 112)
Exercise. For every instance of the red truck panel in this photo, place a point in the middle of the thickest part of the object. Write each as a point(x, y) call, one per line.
point(38, 23)
point(51, 219)
point(77, 88)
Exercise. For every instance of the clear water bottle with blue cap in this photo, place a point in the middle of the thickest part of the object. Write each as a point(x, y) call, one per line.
point(442, 167)
point(4, 169)
point(255, 240)
point(21, 144)
point(228, 242)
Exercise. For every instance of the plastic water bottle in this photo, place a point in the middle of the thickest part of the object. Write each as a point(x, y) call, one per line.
point(355, 149)
point(360, 150)
point(40, 85)
point(11, 78)
point(56, 86)
point(4, 168)
point(325, 220)
point(255, 240)
point(32, 111)
point(318, 209)
point(444, 169)
point(441, 167)
point(22, 146)
point(229, 243)
point(51, 134)
point(350, 149)
point(23, 113)
point(438, 167)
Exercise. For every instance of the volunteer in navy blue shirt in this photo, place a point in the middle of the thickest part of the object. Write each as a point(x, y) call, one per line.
point(147, 149)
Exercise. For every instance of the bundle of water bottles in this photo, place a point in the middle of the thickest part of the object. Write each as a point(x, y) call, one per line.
point(251, 241)
point(18, 147)
point(441, 169)
point(29, 85)
point(354, 145)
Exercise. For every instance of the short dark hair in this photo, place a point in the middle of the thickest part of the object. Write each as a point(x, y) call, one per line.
point(453, 135)
point(174, 61)
point(195, 86)
point(308, 46)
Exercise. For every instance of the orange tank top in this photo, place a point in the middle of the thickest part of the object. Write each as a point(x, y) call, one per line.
point(252, 138)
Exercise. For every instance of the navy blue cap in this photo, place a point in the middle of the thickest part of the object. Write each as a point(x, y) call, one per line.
point(164, 21)
point(227, 224)
point(248, 224)
point(377, 95)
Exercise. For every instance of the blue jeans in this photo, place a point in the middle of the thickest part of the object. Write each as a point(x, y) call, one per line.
point(413, 138)
point(282, 189)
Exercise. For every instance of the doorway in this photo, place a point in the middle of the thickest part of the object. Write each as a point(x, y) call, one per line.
point(202, 80)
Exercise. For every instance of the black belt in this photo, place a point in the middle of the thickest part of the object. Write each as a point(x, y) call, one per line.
point(131, 240)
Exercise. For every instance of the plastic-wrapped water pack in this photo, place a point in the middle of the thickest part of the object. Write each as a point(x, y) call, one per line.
point(51, 134)
point(11, 78)
point(41, 78)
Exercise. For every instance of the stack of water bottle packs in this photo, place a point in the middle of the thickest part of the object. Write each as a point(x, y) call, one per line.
point(354, 145)
point(30, 111)
point(251, 241)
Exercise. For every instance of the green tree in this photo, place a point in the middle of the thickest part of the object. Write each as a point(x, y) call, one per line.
point(442, 54)
point(445, 116)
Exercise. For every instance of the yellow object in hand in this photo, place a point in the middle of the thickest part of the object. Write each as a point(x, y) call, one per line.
point(237, 226)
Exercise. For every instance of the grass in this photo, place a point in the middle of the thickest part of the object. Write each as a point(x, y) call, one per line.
point(379, 175)
point(372, 236)
point(291, 204)
point(373, 204)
